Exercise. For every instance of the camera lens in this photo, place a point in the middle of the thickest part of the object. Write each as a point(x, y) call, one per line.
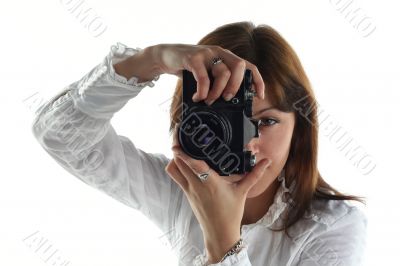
point(202, 128)
point(205, 140)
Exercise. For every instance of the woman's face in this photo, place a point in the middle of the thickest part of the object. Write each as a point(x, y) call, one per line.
point(275, 134)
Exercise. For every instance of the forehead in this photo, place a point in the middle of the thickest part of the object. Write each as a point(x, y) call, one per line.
point(259, 104)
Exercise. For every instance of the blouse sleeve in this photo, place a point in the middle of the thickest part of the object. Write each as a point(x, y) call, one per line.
point(343, 243)
point(74, 129)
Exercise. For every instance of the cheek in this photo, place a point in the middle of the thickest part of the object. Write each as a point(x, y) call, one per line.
point(275, 144)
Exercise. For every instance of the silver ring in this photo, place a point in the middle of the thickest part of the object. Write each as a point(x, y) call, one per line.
point(216, 60)
point(203, 176)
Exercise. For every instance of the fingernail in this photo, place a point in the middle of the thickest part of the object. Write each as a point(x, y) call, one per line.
point(228, 96)
point(195, 97)
point(209, 102)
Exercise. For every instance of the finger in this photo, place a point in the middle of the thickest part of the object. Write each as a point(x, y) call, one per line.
point(252, 178)
point(221, 75)
point(231, 59)
point(257, 80)
point(203, 82)
point(237, 69)
point(173, 171)
point(237, 66)
point(187, 172)
point(196, 166)
point(175, 141)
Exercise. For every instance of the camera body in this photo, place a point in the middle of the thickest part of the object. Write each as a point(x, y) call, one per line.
point(218, 133)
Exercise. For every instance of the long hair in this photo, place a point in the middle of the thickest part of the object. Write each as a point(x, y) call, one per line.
point(289, 90)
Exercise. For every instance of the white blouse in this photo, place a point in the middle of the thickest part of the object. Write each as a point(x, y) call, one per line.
point(74, 128)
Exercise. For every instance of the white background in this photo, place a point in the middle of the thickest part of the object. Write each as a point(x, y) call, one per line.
point(45, 47)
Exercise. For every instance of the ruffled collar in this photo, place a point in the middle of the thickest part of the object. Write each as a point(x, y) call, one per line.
point(279, 205)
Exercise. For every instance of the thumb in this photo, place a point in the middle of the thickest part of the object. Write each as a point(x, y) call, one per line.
point(175, 141)
point(252, 178)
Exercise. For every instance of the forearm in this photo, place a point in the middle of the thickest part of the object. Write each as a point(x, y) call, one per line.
point(142, 65)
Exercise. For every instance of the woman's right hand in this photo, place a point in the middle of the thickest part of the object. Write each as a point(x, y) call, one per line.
point(228, 75)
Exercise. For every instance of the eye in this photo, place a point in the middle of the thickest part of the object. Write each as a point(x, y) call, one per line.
point(266, 122)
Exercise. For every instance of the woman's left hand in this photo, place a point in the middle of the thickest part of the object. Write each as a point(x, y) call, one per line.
point(217, 203)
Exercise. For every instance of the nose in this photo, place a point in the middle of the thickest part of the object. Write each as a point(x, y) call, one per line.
point(252, 146)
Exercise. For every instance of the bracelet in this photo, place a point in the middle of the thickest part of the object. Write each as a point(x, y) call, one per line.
point(236, 248)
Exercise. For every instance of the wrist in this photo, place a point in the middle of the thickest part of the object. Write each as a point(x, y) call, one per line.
point(142, 65)
point(216, 250)
point(150, 55)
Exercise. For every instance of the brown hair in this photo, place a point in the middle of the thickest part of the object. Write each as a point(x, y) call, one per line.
point(290, 91)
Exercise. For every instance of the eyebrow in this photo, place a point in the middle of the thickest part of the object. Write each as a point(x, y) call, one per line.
point(263, 110)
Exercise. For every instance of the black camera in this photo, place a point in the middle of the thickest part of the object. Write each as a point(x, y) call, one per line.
point(218, 133)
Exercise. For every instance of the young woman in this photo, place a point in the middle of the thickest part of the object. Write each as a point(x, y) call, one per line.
point(280, 213)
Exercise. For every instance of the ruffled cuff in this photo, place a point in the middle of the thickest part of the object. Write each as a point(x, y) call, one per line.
point(102, 92)
point(238, 259)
